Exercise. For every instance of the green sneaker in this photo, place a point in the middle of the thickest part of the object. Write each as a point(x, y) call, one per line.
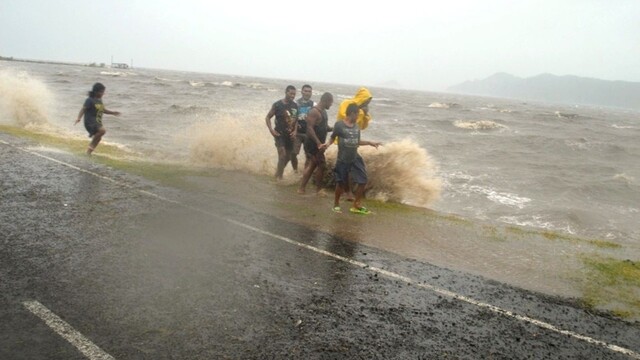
point(361, 210)
point(337, 210)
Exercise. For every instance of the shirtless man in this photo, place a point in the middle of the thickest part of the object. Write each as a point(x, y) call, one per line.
point(314, 145)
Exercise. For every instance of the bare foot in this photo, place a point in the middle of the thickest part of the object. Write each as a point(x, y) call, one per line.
point(322, 193)
point(301, 191)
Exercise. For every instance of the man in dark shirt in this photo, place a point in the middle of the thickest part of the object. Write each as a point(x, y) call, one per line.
point(349, 161)
point(314, 145)
point(286, 113)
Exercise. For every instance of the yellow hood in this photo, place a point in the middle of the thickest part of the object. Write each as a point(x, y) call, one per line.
point(362, 95)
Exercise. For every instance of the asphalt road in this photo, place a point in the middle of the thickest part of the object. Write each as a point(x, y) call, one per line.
point(97, 263)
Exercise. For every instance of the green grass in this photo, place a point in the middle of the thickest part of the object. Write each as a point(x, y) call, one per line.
point(614, 284)
point(556, 236)
point(395, 207)
point(72, 145)
point(493, 234)
point(603, 244)
point(115, 157)
point(454, 218)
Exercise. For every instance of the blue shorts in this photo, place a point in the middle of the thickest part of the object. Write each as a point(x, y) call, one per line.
point(356, 168)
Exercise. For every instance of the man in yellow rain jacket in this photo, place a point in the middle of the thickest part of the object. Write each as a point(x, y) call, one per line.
point(362, 99)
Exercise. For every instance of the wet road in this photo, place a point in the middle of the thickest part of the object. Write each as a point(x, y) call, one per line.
point(97, 263)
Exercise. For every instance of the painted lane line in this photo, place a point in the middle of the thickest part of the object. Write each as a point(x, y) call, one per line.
point(448, 293)
point(62, 328)
point(386, 273)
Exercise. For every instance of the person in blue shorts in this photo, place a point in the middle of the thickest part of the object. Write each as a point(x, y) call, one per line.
point(349, 161)
point(92, 111)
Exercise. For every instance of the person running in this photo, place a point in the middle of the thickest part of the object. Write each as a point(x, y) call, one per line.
point(314, 145)
point(304, 106)
point(362, 99)
point(349, 161)
point(92, 110)
point(286, 113)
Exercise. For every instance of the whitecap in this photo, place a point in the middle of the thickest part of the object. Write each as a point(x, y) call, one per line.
point(113, 73)
point(615, 126)
point(534, 222)
point(503, 198)
point(478, 125)
point(627, 179)
point(165, 79)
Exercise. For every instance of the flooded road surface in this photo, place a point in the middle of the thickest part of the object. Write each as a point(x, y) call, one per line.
point(97, 263)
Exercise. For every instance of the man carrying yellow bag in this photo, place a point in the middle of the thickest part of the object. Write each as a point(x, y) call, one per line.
point(362, 99)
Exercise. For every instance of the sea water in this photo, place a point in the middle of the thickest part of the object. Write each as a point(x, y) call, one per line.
point(566, 168)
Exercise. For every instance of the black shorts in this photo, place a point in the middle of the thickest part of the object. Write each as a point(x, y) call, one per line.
point(356, 168)
point(318, 157)
point(298, 141)
point(284, 141)
point(92, 127)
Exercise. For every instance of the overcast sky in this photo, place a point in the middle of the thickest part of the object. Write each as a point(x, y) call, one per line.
point(427, 45)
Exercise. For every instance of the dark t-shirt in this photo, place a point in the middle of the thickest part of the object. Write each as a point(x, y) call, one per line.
point(93, 111)
point(321, 128)
point(348, 140)
point(286, 115)
point(304, 106)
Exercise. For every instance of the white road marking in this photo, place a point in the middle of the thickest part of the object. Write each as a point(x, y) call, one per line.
point(86, 347)
point(389, 274)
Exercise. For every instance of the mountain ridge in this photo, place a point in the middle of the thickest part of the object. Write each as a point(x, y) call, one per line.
point(568, 89)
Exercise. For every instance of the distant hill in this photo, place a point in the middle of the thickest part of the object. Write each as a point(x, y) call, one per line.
point(567, 89)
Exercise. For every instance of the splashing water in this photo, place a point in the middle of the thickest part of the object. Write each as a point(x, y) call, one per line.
point(23, 100)
point(398, 171)
point(402, 171)
point(233, 144)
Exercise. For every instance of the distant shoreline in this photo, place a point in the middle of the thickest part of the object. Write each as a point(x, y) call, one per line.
point(11, 58)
